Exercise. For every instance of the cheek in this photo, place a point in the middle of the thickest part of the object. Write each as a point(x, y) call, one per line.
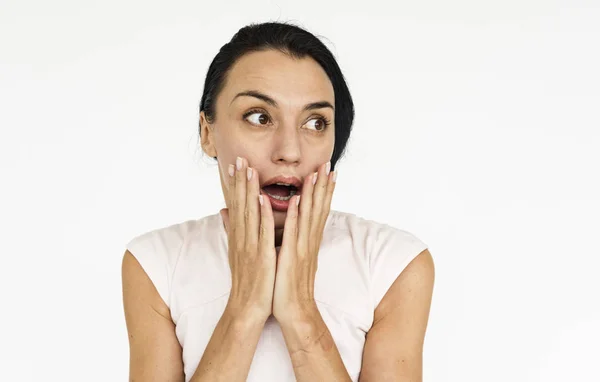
point(319, 154)
point(229, 156)
point(321, 149)
point(228, 137)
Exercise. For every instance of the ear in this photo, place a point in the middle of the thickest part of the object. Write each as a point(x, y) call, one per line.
point(207, 137)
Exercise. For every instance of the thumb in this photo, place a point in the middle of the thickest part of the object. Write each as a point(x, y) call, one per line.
point(225, 216)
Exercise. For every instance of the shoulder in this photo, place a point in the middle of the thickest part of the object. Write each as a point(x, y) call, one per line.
point(385, 249)
point(377, 233)
point(157, 250)
point(169, 239)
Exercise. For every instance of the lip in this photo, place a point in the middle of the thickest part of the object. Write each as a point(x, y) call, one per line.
point(282, 205)
point(284, 179)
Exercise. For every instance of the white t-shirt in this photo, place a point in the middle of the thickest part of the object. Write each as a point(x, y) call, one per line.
point(358, 261)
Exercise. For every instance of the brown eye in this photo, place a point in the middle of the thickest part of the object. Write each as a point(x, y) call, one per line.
point(263, 119)
point(319, 124)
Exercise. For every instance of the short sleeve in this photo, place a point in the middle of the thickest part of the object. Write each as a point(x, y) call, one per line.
point(393, 250)
point(157, 252)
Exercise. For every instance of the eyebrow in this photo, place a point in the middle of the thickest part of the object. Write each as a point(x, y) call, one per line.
point(272, 102)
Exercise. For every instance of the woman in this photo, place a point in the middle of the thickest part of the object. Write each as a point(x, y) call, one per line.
point(276, 287)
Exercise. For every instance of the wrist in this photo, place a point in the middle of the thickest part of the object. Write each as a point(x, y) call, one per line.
point(299, 316)
point(305, 332)
point(241, 317)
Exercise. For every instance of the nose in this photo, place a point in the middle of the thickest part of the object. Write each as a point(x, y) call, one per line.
point(287, 144)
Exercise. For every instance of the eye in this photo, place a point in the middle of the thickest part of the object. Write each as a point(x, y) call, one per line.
point(257, 117)
point(320, 123)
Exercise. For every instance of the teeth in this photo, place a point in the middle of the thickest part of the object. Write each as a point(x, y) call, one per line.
point(280, 197)
point(292, 193)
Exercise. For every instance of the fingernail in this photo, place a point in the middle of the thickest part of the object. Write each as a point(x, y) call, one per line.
point(260, 199)
point(249, 173)
point(298, 201)
point(334, 177)
point(316, 174)
point(231, 170)
point(328, 168)
point(238, 163)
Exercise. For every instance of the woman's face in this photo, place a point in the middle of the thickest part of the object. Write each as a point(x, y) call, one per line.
point(277, 135)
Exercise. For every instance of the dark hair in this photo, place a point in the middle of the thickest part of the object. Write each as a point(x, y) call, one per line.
point(296, 42)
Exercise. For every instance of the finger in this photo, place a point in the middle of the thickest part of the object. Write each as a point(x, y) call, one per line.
point(225, 217)
point(290, 229)
point(331, 180)
point(252, 209)
point(319, 194)
point(240, 202)
point(231, 202)
point(266, 236)
point(304, 213)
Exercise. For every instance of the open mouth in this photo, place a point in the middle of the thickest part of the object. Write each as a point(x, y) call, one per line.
point(280, 191)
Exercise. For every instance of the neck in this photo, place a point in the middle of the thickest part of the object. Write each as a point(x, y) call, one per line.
point(278, 237)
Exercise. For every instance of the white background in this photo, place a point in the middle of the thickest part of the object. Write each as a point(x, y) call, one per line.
point(477, 129)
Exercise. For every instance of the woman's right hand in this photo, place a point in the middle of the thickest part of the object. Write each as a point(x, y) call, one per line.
point(251, 235)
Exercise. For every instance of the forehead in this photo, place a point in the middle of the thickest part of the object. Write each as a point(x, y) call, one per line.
point(288, 80)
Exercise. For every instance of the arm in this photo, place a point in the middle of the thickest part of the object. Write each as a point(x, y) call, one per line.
point(314, 355)
point(231, 348)
point(155, 353)
point(394, 346)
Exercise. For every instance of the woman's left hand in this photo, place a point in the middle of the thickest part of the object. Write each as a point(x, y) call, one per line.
point(293, 297)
